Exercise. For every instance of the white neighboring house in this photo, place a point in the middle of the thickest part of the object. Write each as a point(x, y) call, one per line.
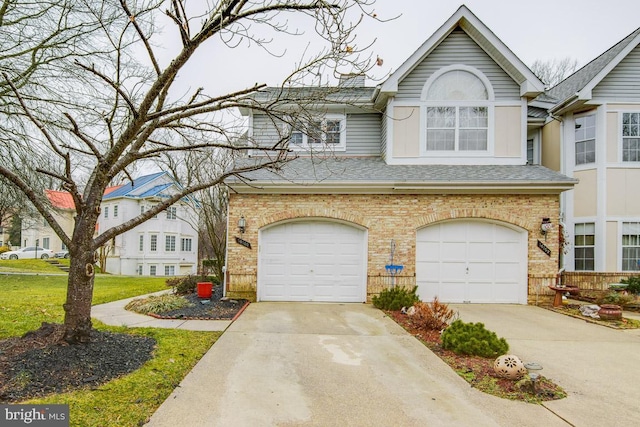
point(37, 232)
point(165, 245)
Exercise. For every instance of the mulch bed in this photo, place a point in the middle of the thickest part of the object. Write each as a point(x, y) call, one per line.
point(478, 371)
point(40, 362)
point(215, 308)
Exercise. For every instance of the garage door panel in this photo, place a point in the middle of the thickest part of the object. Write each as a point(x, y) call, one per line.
point(471, 261)
point(312, 261)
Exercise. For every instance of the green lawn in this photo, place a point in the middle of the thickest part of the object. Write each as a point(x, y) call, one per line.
point(27, 300)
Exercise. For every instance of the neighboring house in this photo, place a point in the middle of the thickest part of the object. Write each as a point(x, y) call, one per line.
point(37, 232)
point(593, 134)
point(165, 245)
point(434, 170)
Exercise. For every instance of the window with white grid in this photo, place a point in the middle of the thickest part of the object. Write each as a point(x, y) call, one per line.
point(584, 246)
point(631, 137)
point(630, 246)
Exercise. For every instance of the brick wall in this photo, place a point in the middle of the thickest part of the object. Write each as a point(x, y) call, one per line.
point(394, 217)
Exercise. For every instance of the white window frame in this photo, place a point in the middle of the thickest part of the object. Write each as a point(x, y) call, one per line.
point(115, 211)
point(584, 245)
point(170, 243)
point(184, 242)
point(46, 242)
point(623, 137)
point(489, 103)
point(169, 270)
point(172, 212)
point(141, 243)
point(306, 143)
point(594, 139)
point(153, 270)
point(634, 266)
point(153, 243)
point(106, 212)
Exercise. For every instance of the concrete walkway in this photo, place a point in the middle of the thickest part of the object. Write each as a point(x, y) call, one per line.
point(114, 314)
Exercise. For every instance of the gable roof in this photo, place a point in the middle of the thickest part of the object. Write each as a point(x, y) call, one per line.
point(60, 199)
point(577, 87)
point(136, 188)
point(372, 175)
point(530, 85)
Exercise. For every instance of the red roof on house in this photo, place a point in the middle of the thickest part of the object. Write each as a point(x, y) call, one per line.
point(110, 189)
point(60, 199)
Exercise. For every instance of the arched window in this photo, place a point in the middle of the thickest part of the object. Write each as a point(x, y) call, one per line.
point(457, 112)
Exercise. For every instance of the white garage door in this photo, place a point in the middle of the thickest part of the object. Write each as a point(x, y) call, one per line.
point(471, 261)
point(312, 261)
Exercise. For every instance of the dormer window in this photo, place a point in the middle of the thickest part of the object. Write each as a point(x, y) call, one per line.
point(457, 113)
point(328, 132)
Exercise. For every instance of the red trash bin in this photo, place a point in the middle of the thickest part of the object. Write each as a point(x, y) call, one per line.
point(205, 289)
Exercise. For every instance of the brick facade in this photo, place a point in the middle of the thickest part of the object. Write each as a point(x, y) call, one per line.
point(396, 217)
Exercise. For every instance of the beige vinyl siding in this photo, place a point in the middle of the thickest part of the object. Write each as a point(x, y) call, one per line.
point(406, 132)
point(458, 48)
point(612, 137)
point(383, 134)
point(611, 256)
point(623, 82)
point(550, 147)
point(585, 193)
point(622, 188)
point(508, 130)
point(363, 135)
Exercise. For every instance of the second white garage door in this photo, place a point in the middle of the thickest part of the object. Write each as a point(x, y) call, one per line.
point(312, 261)
point(472, 261)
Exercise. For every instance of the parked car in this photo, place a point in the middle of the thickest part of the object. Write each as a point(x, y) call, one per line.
point(28, 252)
point(61, 254)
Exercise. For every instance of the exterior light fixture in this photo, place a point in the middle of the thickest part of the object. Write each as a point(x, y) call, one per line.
point(545, 226)
point(242, 224)
point(533, 369)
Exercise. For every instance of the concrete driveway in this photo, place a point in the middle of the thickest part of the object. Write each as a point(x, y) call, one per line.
point(599, 367)
point(304, 364)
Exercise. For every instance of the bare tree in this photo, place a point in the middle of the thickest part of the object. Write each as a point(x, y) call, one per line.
point(109, 112)
point(553, 71)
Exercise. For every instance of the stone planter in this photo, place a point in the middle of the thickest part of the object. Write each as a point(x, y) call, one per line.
point(610, 312)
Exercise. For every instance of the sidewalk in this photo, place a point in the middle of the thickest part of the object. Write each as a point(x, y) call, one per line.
point(114, 314)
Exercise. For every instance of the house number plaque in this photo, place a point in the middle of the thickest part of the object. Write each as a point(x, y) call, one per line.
point(243, 243)
point(544, 248)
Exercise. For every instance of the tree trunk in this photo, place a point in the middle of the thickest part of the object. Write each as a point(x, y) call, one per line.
point(77, 319)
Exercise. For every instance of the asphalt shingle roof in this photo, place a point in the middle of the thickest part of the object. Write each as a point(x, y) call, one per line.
point(375, 170)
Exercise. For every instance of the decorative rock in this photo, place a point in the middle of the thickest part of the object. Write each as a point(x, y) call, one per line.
point(509, 366)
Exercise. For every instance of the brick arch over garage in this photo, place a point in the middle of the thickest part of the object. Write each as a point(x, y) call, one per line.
point(329, 214)
point(473, 213)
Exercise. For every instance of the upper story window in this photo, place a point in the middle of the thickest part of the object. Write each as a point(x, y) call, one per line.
point(585, 134)
point(631, 137)
point(630, 246)
point(106, 211)
point(457, 113)
point(115, 211)
point(328, 132)
point(172, 212)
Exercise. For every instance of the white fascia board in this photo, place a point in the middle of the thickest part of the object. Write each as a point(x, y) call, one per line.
point(497, 187)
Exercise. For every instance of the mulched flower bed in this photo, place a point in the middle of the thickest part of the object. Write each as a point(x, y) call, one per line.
point(215, 308)
point(40, 363)
point(478, 371)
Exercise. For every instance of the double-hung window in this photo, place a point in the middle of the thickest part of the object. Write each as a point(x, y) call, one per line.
point(585, 133)
point(631, 137)
point(170, 243)
point(185, 245)
point(457, 113)
point(584, 247)
point(153, 242)
point(172, 212)
point(328, 132)
point(630, 246)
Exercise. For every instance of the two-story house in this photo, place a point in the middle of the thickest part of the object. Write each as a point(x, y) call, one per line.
point(165, 245)
point(592, 133)
point(36, 231)
point(429, 182)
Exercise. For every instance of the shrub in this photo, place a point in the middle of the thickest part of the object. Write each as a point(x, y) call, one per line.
point(633, 284)
point(395, 298)
point(157, 304)
point(473, 339)
point(183, 285)
point(616, 298)
point(433, 316)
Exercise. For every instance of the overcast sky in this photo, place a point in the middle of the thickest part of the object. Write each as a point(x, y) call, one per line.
point(532, 29)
